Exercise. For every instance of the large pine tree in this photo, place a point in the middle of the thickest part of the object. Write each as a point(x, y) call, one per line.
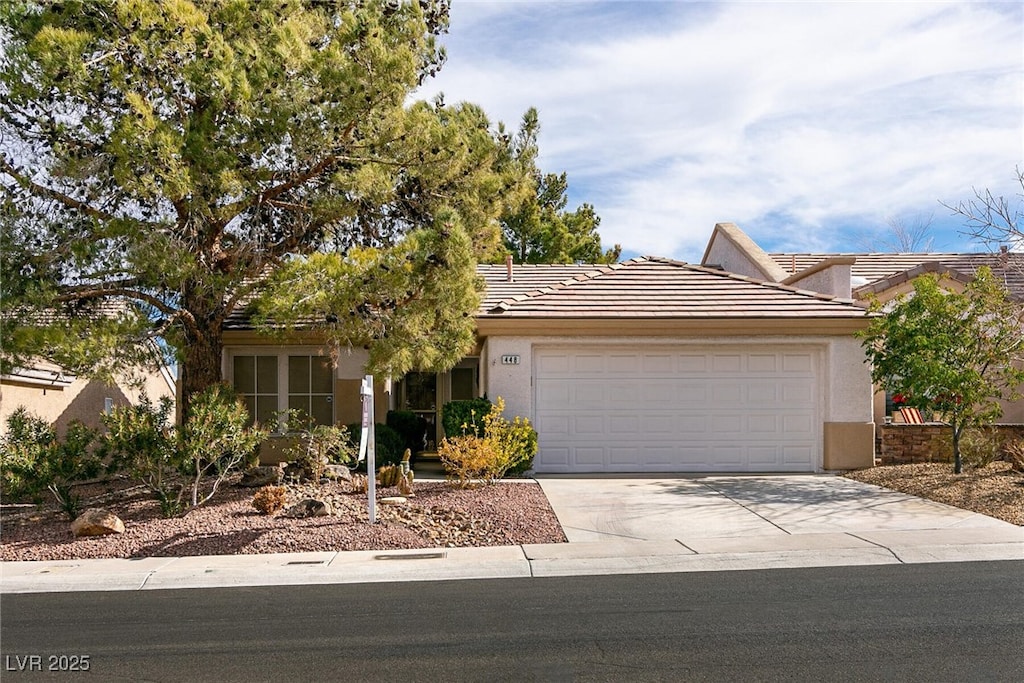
point(170, 156)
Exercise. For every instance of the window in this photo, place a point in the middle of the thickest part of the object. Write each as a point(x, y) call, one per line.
point(256, 381)
point(310, 388)
point(270, 384)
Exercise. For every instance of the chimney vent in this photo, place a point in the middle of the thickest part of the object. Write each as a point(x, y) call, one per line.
point(508, 268)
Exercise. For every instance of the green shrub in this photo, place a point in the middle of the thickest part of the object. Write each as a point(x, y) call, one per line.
point(176, 462)
point(389, 444)
point(314, 447)
point(412, 428)
point(465, 417)
point(34, 460)
point(141, 442)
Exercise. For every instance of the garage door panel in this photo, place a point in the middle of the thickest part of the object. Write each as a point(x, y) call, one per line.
point(693, 424)
point(798, 363)
point(658, 393)
point(692, 363)
point(624, 364)
point(763, 362)
point(553, 364)
point(658, 424)
point(797, 424)
point(587, 395)
point(728, 425)
point(761, 457)
point(557, 456)
point(552, 425)
point(726, 394)
point(623, 455)
point(588, 425)
point(763, 424)
point(588, 455)
point(659, 364)
point(795, 455)
point(628, 425)
point(676, 410)
point(589, 364)
point(727, 363)
point(761, 393)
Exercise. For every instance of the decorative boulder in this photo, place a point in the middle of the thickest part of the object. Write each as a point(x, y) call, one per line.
point(310, 507)
point(97, 522)
point(338, 472)
point(270, 475)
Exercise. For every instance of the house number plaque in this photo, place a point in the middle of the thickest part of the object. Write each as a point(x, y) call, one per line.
point(510, 360)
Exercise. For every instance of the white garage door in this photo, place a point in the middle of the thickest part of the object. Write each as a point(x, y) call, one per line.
point(608, 409)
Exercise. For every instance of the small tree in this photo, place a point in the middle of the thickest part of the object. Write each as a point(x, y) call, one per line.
point(951, 352)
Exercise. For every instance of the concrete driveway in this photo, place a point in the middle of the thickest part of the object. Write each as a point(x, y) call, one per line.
point(601, 508)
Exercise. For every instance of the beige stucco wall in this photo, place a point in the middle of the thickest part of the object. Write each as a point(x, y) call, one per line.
point(82, 400)
point(833, 280)
point(725, 254)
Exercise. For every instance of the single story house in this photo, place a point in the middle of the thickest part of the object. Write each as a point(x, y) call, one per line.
point(865, 277)
point(651, 365)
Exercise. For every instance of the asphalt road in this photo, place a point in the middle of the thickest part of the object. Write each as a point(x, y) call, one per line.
point(923, 622)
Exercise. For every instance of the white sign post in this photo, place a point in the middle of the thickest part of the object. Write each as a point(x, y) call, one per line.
point(367, 446)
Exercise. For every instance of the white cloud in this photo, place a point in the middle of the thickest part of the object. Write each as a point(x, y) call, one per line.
point(799, 121)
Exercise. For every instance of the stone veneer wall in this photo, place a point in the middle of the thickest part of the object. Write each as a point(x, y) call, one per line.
point(902, 444)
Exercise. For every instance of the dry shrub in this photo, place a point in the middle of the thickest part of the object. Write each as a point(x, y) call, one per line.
point(269, 499)
point(471, 458)
point(980, 447)
point(503, 447)
point(358, 484)
point(1013, 453)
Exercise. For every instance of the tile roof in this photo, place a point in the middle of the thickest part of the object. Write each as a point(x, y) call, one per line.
point(525, 278)
point(871, 268)
point(651, 287)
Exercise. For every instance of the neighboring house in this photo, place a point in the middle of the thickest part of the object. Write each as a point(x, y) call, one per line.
point(60, 398)
point(650, 365)
point(865, 277)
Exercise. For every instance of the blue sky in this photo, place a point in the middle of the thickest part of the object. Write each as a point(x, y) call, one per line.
point(809, 124)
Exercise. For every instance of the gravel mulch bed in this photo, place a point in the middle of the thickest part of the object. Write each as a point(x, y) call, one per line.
point(995, 490)
point(506, 513)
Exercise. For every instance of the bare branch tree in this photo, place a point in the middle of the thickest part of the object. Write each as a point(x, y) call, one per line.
point(995, 221)
point(905, 236)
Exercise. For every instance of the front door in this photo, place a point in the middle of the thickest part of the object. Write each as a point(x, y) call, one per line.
point(420, 396)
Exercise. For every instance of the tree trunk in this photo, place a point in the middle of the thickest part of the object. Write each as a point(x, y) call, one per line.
point(202, 349)
point(958, 465)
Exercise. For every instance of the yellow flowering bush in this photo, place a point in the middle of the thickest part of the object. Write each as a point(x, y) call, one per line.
point(504, 447)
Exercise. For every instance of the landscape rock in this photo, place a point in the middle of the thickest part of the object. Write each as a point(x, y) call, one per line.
point(392, 500)
point(269, 475)
point(97, 522)
point(339, 472)
point(310, 507)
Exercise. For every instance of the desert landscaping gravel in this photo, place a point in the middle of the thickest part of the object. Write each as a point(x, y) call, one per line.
point(996, 490)
point(439, 515)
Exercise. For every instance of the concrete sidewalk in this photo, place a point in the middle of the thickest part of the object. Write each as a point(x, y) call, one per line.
point(615, 525)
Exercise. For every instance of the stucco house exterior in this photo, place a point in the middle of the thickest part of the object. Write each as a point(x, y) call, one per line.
point(650, 365)
point(866, 277)
point(59, 398)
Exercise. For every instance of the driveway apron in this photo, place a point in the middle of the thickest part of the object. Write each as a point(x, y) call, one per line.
point(622, 508)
